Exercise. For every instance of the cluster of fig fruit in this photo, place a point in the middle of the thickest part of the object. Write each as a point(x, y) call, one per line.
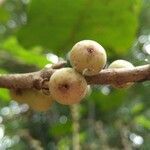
point(67, 85)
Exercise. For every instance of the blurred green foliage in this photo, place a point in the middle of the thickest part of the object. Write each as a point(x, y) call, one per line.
point(32, 57)
point(60, 24)
point(31, 30)
point(4, 15)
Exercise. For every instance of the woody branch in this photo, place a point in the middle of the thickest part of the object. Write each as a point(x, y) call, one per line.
point(106, 76)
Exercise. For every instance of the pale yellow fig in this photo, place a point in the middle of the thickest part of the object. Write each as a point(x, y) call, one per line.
point(67, 86)
point(121, 64)
point(88, 57)
point(34, 98)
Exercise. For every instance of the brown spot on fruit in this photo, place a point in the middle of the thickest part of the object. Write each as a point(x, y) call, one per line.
point(63, 87)
point(90, 50)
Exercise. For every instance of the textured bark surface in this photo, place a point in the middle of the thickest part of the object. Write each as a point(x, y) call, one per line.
point(106, 76)
point(121, 75)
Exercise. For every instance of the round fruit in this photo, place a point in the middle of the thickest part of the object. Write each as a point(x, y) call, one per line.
point(67, 86)
point(34, 98)
point(88, 57)
point(121, 64)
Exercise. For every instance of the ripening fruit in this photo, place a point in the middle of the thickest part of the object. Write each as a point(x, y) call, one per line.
point(67, 86)
point(88, 57)
point(121, 64)
point(34, 98)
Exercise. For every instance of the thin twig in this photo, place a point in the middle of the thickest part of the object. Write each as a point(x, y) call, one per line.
point(33, 143)
point(102, 135)
point(75, 127)
point(124, 133)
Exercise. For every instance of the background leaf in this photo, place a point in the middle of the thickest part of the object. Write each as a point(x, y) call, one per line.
point(61, 24)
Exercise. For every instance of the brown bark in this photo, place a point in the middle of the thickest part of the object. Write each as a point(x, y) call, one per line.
point(121, 75)
point(106, 76)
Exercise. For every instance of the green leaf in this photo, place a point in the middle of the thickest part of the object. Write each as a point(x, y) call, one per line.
point(4, 95)
point(108, 102)
point(143, 121)
point(137, 108)
point(60, 24)
point(4, 15)
point(33, 56)
point(60, 129)
point(2, 71)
